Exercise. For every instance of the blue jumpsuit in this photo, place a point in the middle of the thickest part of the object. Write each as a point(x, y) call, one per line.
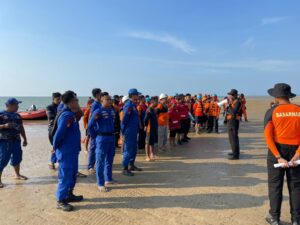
point(10, 141)
point(101, 128)
point(66, 142)
point(129, 129)
point(92, 151)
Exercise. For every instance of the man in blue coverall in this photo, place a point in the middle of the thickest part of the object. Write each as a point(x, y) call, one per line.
point(11, 127)
point(130, 129)
point(101, 127)
point(96, 92)
point(67, 145)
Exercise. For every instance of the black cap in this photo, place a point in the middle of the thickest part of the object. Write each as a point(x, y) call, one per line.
point(281, 90)
point(233, 92)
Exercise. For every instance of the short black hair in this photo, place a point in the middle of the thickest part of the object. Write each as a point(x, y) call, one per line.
point(188, 94)
point(104, 94)
point(68, 96)
point(56, 95)
point(96, 91)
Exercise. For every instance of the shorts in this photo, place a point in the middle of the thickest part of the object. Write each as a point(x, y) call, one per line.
point(198, 119)
point(151, 138)
point(174, 132)
point(10, 151)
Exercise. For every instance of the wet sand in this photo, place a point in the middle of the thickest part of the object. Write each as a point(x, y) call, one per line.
point(193, 184)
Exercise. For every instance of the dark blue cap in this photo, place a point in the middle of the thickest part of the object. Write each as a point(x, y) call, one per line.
point(12, 101)
point(133, 91)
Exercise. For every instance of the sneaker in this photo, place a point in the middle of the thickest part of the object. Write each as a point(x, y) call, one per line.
point(135, 168)
point(127, 173)
point(271, 220)
point(64, 206)
point(74, 198)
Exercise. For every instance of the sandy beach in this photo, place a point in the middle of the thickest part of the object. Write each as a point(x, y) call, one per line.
point(192, 184)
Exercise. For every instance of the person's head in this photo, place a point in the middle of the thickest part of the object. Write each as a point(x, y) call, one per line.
point(281, 92)
point(116, 99)
point(233, 94)
point(215, 97)
point(153, 102)
point(142, 99)
point(134, 95)
point(96, 92)
point(69, 98)
point(56, 98)
point(106, 100)
point(163, 98)
point(12, 105)
point(242, 95)
point(188, 97)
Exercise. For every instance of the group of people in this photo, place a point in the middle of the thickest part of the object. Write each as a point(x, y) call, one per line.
point(144, 122)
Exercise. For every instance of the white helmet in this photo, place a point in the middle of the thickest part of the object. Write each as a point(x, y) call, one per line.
point(125, 98)
point(162, 95)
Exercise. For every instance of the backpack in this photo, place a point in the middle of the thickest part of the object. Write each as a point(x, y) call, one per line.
point(55, 125)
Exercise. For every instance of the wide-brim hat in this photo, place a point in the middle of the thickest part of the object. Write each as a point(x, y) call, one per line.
point(281, 90)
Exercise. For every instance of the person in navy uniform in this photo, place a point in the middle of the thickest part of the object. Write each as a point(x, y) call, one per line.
point(67, 145)
point(101, 127)
point(11, 128)
point(96, 92)
point(51, 111)
point(129, 130)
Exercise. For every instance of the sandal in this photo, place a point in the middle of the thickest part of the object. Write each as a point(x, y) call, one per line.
point(21, 177)
point(81, 174)
point(51, 166)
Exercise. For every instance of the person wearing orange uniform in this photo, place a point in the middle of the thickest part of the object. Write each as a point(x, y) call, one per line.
point(244, 108)
point(85, 120)
point(213, 115)
point(198, 113)
point(142, 108)
point(282, 135)
point(163, 120)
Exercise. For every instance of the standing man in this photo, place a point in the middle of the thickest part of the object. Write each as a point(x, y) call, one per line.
point(51, 114)
point(101, 127)
point(282, 134)
point(142, 108)
point(130, 129)
point(96, 92)
point(233, 123)
point(11, 128)
point(213, 115)
point(163, 121)
point(67, 145)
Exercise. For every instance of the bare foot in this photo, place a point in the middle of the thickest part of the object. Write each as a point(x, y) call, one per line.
point(103, 189)
point(51, 166)
point(92, 171)
point(148, 159)
point(21, 177)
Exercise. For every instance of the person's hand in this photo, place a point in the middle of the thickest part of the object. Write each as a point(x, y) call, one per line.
point(294, 159)
point(25, 143)
point(8, 126)
point(52, 150)
point(284, 162)
point(145, 129)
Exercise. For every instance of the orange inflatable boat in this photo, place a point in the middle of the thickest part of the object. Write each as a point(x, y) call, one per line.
point(34, 115)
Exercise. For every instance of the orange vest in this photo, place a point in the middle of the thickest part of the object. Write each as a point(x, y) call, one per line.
point(162, 115)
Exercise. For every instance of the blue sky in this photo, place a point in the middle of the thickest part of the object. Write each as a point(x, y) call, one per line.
point(156, 46)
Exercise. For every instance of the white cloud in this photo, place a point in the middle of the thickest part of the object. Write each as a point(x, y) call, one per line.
point(258, 65)
point(164, 38)
point(249, 43)
point(272, 20)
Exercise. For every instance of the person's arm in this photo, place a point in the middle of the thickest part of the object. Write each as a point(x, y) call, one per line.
point(269, 137)
point(50, 113)
point(23, 134)
point(126, 116)
point(92, 121)
point(62, 126)
point(146, 120)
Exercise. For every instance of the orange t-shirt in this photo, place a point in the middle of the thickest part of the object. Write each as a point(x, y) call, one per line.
point(198, 109)
point(162, 115)
point(282, 126)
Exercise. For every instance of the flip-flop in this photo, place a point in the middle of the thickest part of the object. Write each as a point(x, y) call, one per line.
point(21, 177)
point(103, 189)
point(81, 175)
point(1, 185)
point(111, 182)
point(92, 171)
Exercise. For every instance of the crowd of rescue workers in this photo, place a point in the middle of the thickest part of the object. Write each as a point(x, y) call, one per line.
point(132, 123)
